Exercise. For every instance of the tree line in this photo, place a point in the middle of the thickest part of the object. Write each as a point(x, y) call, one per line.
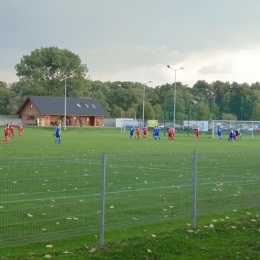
point(42, 73)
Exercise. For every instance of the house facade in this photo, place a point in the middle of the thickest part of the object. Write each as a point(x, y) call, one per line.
point(51, 110)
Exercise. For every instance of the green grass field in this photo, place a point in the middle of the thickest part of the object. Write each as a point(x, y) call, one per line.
point(52, 191)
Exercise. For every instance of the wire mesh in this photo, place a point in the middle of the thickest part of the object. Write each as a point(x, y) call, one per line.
point(46, 198)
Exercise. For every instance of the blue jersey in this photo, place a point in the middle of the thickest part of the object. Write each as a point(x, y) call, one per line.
point(219, 131)
point(132, 130)
point(156, 131)
point(57, 132)
point(231, 133)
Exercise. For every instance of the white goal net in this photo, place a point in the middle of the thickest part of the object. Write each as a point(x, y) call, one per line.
point(247, 129)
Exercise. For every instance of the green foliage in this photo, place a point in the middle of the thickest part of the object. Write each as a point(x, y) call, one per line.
point(228, 116)
point(6, 96)
point(44, 68)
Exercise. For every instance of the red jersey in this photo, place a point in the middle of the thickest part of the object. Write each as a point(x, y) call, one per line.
point(138, 131)
point(11, 128)
point(145, 130)
point(7, 131)
point(169, 132)
point(20, 128)
point(197, 131)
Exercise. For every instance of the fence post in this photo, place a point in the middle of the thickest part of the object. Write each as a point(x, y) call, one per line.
point(194, 189)
point(102, 213)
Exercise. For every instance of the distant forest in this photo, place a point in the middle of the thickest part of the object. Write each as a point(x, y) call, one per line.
point(204, 101)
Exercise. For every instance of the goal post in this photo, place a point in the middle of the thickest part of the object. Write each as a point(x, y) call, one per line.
point(247, 129)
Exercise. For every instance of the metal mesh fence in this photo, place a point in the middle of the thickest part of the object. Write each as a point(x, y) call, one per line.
point(46, 198)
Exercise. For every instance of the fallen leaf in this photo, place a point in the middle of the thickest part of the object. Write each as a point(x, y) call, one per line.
point(92, 250)
point(233, 227)
point(153, 235)
point(204, 248)
point(47, 256)
point(49, 246)
point(149, 251)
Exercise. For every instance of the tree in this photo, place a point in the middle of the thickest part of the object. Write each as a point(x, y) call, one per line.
point(5, 96)
point(44, 69)
point(228, 116)
point(256, 112)
point(148, 111)
point(158, 112)
point(201, 112)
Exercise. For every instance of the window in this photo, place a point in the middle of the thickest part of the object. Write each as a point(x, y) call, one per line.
point(31, 106)
point(86, 105)
point(30, 117)
point(78, 105)
point(93, 105)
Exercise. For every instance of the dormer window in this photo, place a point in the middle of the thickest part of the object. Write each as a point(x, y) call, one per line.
point(78, 105)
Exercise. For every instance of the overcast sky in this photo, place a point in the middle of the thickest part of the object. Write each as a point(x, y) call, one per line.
point(123, 40)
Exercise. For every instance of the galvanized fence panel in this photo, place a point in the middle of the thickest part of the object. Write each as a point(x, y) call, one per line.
point(143, 189)
point(46, 198)
point(43, 198)
point(227, 181)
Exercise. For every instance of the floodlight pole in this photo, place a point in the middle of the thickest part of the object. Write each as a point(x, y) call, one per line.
point(144, 98)
point(65, 103)
point(174, 105)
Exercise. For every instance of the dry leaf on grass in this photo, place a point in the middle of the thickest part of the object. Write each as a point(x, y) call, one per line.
point(92, 250)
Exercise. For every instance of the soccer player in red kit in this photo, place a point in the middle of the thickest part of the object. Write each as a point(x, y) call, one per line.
point(137, 133)
point(197, 133)
point(11, 130)
point(6, 130)
point(145, 132)
point(20, 130)
point(169, 133)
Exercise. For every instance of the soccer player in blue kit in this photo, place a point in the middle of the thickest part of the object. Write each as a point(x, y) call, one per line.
point(57, 134)
point(219, 133)
point(132, 130)
point(231, 135)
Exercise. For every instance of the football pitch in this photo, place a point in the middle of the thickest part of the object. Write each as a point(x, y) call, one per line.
point(53, 190)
